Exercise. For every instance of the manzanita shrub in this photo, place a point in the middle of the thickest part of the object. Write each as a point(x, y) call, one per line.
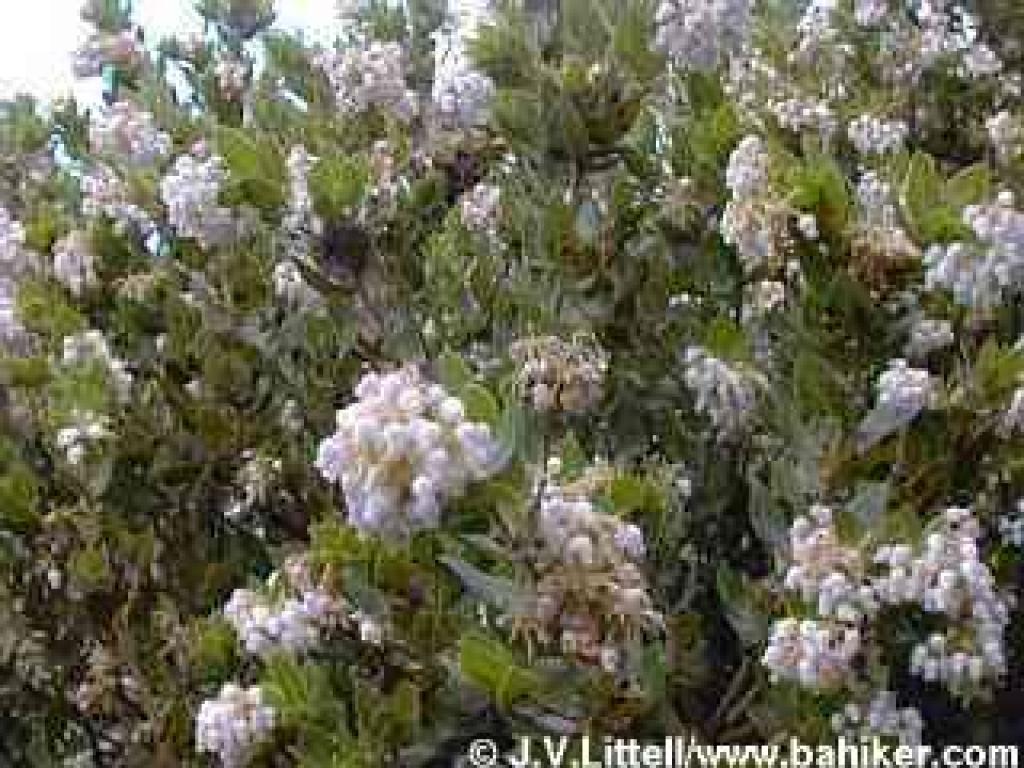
point(595, 366)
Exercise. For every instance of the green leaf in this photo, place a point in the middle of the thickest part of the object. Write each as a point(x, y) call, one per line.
point(257, 171)
point(485, 662)
point(736, 593)
point(27, 373)
point(337, 183)
point(969, 186)
point(453, 373)
point(332, 543)
point(213, 648)
point(89, 567)
point(766, 517)
point(868, 507)
point(726, 340)
point(300, 692)
point(19, 498)
point(997, 372)
point(494, 590)
point(630, 493)
point(43, 309)
point(480, 404)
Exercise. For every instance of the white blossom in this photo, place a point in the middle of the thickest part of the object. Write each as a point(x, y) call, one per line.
point(122, 49)
point(481, 209)
point(873, 135)
point(869, 13)
point(981, 61)
point(127, 132)
point(191, 191)
point(906, 391)
point(91, 348)
point(882, 718)
point(726, 393)
point(402, 450)
point(1006, 134)
point(825, 572)
point(701, 34)
point(1013, 416)
point(86, 428)
point(590, 592)
point(560, 375)
point(980, 273)
point(815, 654)
point(754, 221)
point(16, 262)
point(294, 625)
point(292, 289)
point(234, 725)
point(370, 76)
point(73, 262)
point(105, 194)
point(802, 114)
point(1011, 527)
point(461, 94)
point(232, 75)
point(927, 336)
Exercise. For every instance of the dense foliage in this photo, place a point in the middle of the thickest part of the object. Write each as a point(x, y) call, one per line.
point(608, 366)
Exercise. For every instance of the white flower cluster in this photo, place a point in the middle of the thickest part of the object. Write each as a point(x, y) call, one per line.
point(461, 94)
point(402, 450)
point(872, 135)
point(874, 197)
point(232, 75)
point(763, 298)
point(1011, 527)
point(904, 392)
point(816, 29)
point(1013, 416)
point(980, 273)
point(869, 13)
point(949, 578)
point(560, 375)
point(300, 223)
point(847, 585)
point(726, 393)
point(295, 623)
point(801, 114)
point(191, 191)
point(701, 34)
point(813, 653)
point(1006, 134)
point(754, 221)
point(927, 336)
point(127, 132)
point(73, 262)
point(122, 49)
point(480, 209)
point(462, 98)
point(747, 172)
point(15, 262)
point(825, 572)
point(882, 719)
point(292, 289)
point(591, 594)
point(85, 428)
point(370, 76)
point(104, 193)
point(981, 61)
point(234, 725)
point(256, 477)
point(91, 348)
